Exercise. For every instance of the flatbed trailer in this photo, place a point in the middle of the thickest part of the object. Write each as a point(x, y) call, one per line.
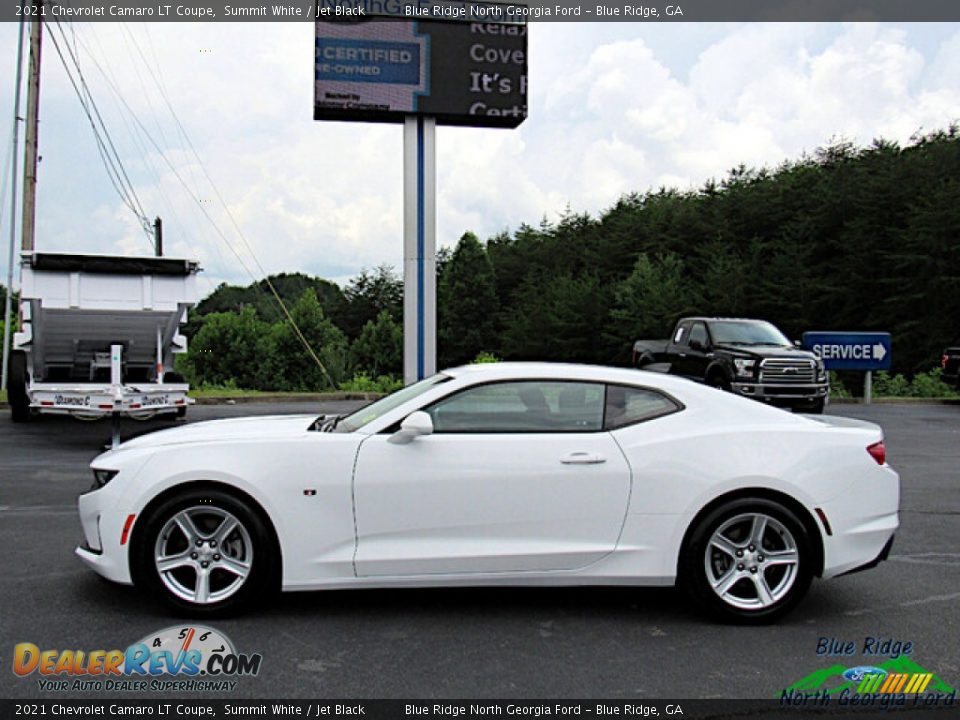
point(98, 335)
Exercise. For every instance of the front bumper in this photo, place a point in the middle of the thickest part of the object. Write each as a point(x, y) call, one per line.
point(104, 565)
point(102, 531)
point(775, 392)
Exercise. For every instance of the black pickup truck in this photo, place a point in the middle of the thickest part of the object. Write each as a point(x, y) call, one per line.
point(950, 362)
point(749, 357)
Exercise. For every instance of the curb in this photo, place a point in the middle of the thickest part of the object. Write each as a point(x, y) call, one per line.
point(304, 397)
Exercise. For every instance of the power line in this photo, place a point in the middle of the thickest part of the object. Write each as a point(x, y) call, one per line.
point(116, 171)
point(266, 279)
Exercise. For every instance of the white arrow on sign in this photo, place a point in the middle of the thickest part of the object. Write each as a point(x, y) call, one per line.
point(879, 352)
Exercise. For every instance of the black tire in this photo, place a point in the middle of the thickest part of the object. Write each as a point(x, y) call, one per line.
point(181, 412)
point(718, 380)
point(745, 606)
point(254, 542)
point(644, 360)
point(17, 387)
point(814, 408)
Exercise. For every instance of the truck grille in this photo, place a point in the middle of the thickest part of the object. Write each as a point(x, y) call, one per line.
point(788, 372)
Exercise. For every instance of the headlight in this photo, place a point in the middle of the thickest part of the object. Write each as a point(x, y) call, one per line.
point(102, 477)
point(821, 369)
point(744, 367)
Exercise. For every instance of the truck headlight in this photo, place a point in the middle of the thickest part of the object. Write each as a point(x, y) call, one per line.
point(744, 367)
point(821, 370)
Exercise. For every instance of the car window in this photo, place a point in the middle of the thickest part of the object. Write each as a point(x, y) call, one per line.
point(698, 332)
point(628, 405)
point(371, 412)
point(529, 406)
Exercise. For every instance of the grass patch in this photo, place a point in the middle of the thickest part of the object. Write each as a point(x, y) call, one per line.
point(226, 392)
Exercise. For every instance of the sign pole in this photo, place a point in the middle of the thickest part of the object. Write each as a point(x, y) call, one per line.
point(868, 387)
point(419, 248)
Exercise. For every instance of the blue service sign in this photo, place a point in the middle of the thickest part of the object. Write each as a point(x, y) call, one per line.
point(850, 350)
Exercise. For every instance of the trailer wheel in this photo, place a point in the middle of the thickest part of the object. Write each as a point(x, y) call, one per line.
point(17, 387)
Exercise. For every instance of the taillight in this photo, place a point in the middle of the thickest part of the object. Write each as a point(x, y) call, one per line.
point(943, 361)
point(878, 451)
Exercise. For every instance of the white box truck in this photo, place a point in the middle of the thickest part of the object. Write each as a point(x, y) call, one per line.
point(98, 335)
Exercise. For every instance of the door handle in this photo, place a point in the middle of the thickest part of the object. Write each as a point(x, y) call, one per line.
point(582, 458)
point(681, 354)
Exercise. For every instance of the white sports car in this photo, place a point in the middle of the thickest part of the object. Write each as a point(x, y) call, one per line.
point(500, 474)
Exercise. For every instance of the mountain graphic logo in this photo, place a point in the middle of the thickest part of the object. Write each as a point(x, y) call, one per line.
point(899, 675)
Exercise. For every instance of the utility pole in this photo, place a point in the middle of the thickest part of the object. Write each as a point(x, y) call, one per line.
point(30, 152)
point(158, 236)
point(13, 207)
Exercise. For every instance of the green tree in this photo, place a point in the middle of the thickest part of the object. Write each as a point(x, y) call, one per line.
point(369, 294)
point(559, 319)
point(227, 350)
point(290, 366)
point(650, 300)
point(379, 348)
point(467, 304)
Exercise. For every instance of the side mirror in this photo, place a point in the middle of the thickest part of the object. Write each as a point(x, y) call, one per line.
point(797, 343)
point(696, 345)
point(415, 424)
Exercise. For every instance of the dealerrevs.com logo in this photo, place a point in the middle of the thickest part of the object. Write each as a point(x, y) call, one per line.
point(177, 658)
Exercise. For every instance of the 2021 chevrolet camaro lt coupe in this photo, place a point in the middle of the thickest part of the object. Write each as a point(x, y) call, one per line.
point(500, 474)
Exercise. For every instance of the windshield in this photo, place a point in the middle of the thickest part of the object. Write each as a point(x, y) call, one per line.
point(746, 333)
point(371, 412)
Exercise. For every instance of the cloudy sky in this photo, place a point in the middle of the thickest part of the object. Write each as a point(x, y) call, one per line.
point(613, 108)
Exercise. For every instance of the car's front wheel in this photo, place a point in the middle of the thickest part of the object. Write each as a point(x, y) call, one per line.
point(205, 552)
point(748, 561)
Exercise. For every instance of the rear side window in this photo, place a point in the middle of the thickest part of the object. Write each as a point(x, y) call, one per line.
point(698, 333)
point(681, 333)
point(628, 405)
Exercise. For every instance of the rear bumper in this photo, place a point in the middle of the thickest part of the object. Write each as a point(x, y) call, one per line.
point(864, 520)
point(93, 400)
point(884, 554)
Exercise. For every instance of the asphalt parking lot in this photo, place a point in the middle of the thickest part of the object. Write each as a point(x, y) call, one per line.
point(582, 642)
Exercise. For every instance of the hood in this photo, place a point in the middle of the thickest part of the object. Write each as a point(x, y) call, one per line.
point(265, 426)
point(767, 351)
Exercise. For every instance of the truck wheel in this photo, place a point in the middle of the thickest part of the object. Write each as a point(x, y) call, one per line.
point(719, 380)
point(17, 387)
point(814, 408)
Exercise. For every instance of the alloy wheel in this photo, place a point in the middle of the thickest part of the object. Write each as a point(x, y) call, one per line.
point(751, 561)
point(203, 554)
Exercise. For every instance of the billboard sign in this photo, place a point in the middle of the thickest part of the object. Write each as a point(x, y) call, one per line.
point(851, 350)
point(383, 69)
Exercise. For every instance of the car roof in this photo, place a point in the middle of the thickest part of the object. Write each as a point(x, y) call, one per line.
point(722, 319)
point(565, 371)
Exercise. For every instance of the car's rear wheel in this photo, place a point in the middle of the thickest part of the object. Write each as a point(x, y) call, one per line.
point(205, 552)
point(748, 561)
